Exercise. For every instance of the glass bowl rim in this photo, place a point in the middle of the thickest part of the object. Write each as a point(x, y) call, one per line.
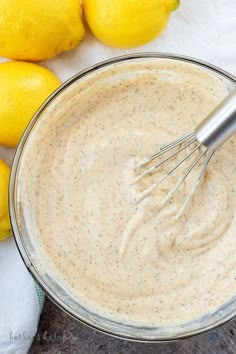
point(12, 192)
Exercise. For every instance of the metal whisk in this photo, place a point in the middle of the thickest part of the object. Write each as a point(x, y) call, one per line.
point(209, 135)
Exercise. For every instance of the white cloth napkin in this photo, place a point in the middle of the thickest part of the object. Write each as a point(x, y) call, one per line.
point(204, 29)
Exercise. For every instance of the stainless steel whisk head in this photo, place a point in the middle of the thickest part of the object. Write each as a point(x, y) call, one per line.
point(214, 131)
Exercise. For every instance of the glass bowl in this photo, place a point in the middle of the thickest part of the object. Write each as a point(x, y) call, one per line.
point(29, 249)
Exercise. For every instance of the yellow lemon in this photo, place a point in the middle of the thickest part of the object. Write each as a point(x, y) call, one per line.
point(24, 87)
point(33, 30)
point(127, 23)
point(5, 226)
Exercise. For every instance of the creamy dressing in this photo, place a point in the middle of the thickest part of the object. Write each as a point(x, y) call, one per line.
point(125, 260)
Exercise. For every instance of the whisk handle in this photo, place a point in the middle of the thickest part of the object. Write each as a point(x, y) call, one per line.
point(219, 125)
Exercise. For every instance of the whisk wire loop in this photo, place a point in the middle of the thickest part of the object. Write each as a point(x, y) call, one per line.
point(189, 140)
point(166, 175)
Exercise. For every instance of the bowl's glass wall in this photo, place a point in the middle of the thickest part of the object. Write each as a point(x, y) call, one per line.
point(29, 249)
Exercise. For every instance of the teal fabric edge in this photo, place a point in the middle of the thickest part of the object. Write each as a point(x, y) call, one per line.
point(40, 296)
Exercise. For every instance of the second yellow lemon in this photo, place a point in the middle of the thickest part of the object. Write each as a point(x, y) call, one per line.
point(128, 23)
point(24, 87)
